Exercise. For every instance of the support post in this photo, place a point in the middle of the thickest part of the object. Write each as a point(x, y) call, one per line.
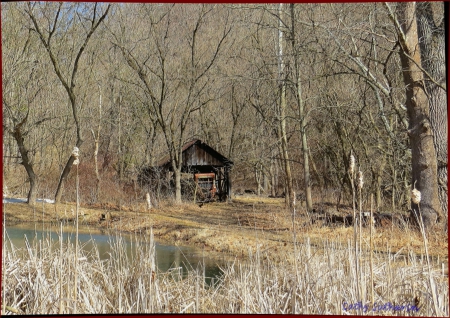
point(228, 182)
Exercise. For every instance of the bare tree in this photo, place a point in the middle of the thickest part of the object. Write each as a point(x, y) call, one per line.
point(289, 195)
point(96, 137)
point(173, 72)
point(431, 32)
point(55, 21)
point(300, 106)
point(424, 160)
point(287, 92)
point(268, 72)
point(22, 85)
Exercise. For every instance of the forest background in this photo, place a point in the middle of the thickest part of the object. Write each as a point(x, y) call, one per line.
point(286, 91)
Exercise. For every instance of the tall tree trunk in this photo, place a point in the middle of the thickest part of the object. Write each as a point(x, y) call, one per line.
point(431, 31)
point(96, 138)
point(424, 163)
point(265, 183)
point(97, 174)
point(289, 193)
point(68, 166)
point(177, 163)
point(63, 177)
point(177, 174)
point(302, 117)
point(26, 162)
point(45, 36)
point(378, 178)
point(273, 183)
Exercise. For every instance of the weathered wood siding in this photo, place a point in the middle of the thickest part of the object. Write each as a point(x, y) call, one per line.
point(197, 156)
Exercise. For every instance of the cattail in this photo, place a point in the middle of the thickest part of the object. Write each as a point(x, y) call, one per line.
point(149, 202)
point(415, 195)
point(352, 164)
point(75, 153)
point(360, 179)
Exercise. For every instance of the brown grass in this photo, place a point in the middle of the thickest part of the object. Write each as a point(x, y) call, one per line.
point(233, 228)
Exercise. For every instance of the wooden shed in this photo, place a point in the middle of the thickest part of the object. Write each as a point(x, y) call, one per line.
point(210, 170)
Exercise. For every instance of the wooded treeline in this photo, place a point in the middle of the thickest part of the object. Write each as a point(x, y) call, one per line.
point(286, 91)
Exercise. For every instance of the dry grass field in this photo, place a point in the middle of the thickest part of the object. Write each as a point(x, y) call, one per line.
point(273, 269)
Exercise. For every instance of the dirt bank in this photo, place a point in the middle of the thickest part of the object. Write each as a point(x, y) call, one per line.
point(237, 228)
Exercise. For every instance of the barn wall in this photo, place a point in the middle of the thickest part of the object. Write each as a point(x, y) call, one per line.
point(197, 156)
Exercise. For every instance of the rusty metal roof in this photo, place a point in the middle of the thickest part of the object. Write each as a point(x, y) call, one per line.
point(198, 153)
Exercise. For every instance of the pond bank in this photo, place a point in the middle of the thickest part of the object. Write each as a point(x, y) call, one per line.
point(216, 228)
point(97, 245)
point(237, 229)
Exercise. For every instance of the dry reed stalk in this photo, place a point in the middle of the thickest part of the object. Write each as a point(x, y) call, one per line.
point(294, 304)
point(372, 299)
point(149, 202)
point(355, 240)
point(360, 277)
point(3, 253)
point(258, 285)
point(42, 218)
point(75, 153)
point(61, 309)
point(416, 197)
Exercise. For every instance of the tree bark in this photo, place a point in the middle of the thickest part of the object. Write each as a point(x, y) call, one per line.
point(26, 162)
point(302, 116)
point(96, 138)
point(431, 33)
point(273, 183)
point(424, 163)
point(177, 164)
point(177, 173)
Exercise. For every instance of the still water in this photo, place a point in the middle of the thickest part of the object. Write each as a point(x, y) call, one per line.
point(179, 259)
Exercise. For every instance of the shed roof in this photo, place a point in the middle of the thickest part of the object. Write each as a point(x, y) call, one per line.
point(198, 153)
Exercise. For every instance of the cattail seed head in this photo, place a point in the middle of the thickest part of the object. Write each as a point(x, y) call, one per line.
point(352, 164)
point(415, 195)
point(360, 179)
point(76, 154)
point(149, 202)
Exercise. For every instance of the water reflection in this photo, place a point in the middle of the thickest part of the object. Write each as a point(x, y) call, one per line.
point(176, 259)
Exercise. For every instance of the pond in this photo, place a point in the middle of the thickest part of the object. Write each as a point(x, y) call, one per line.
point(168, 257)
